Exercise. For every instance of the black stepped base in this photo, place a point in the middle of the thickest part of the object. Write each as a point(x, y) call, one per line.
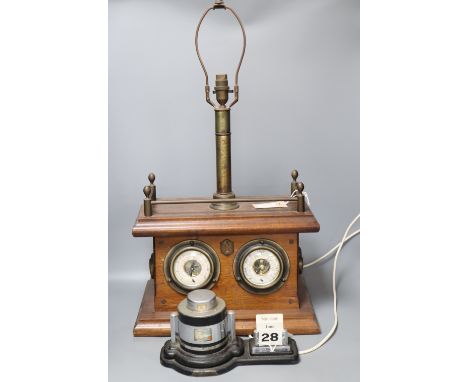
point(235, 353)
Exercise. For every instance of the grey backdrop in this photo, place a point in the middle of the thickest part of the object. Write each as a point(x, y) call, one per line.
point(298, 108)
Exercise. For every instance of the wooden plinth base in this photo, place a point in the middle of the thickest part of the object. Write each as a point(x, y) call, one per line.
point(152, 323)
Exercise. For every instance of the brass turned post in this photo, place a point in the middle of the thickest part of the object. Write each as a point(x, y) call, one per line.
point(151, 178)
point(222, 118)
point(300, 197)
point(294, 175)
point(147, 208)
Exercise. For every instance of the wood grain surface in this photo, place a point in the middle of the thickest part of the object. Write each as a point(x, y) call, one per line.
point(227, 287)
point(153, 323)
point(200, 219)
point(171, 224)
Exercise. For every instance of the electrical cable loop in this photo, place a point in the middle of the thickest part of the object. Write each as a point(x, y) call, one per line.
point(330, 334)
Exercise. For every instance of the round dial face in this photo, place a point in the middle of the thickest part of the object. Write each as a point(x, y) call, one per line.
point(192, 269)
point(261, 268)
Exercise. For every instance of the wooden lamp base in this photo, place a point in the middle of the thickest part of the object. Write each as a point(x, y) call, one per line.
point(153, 323)
point(180, 220)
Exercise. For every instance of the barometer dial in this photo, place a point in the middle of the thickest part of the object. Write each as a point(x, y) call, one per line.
point(192, 269)
point(191, 265)
point(261, 266)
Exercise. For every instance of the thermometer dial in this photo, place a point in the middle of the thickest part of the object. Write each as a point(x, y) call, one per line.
point(261, 266)
point(191, 265)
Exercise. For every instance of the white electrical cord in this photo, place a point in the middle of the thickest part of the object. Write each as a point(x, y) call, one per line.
point(303, 193)
point(333, 250)
point(335, 310)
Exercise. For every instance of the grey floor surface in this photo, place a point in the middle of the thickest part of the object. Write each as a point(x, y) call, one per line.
point(137, 359)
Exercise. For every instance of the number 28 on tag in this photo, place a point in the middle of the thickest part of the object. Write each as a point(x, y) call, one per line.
point(270, 329)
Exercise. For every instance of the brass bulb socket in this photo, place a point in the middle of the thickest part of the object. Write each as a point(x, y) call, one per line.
point(222, 89)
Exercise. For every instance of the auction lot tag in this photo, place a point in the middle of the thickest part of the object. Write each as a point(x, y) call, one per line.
point(270, 329)
point(271, 205)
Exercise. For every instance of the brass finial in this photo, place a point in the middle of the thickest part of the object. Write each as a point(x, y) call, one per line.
point(147, 208)
point(294, 175)
point(147, 191)
point(151, 178)
point(300, 197)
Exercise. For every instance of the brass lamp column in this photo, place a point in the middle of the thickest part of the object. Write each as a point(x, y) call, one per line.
point(223, 145)
point(222, 118)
